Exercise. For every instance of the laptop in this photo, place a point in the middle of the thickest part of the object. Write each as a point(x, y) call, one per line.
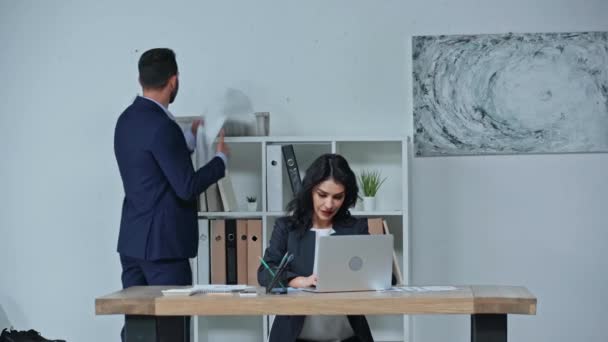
point(354, 263)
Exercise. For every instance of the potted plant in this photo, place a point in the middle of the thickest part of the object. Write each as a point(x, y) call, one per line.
point(252, 204)
point(370, 182)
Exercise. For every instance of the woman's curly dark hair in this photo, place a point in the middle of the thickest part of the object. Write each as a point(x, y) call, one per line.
point(327, 166)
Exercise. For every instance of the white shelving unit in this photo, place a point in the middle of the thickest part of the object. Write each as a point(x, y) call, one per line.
point(247, 166)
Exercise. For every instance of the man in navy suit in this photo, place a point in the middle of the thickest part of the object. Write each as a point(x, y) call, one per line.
point(158, 227)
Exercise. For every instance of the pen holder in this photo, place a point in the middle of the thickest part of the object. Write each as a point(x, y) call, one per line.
point(275, 286)
point(271, 287)
point(277, 291)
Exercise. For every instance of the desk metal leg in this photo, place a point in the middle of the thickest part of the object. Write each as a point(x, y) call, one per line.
point(157, 328)
point(489, 328)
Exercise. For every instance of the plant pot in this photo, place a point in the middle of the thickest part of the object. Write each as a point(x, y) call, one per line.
point(369, 203)
point(252, 206)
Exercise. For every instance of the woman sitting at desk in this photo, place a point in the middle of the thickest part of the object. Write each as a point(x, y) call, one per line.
point(329, 189)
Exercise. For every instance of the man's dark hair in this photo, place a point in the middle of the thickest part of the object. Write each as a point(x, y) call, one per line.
point(156, 66)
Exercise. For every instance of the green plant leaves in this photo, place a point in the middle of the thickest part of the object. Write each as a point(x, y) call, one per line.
point(370, 182)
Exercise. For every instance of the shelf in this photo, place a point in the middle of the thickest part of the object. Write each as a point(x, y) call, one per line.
point(230, 214)
point(257, 214)
point(377, 213)
point(250, 165)
point(353, 212)
point(244, 139)
point(318, 139)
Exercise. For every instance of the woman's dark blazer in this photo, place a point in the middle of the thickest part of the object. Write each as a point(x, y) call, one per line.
point(285, 238)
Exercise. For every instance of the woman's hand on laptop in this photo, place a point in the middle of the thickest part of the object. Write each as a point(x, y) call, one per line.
point(300, 282)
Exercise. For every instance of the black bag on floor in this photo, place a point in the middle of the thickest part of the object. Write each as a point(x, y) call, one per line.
point(23, 336)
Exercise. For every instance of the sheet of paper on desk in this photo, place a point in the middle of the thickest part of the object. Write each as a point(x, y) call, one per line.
point(207, 288)
point(423, 288)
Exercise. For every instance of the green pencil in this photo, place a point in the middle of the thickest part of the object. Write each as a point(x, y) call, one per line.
point(269, 270)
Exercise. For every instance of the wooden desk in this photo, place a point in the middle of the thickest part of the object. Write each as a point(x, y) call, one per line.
point(152, 317)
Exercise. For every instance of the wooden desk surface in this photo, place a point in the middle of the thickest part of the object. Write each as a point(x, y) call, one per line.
point(148, 300)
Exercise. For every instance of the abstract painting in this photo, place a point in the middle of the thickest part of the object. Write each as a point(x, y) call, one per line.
point(510, 93)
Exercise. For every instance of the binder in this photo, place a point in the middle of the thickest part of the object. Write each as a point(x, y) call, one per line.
point(274, 178)
point(203, 252)
point(241, 251)
point(396, 268)
point(293, 172)
point(375, 226)
point(218, 252)
point(226, 190)
point(202, 202)
point(230, 239)
point(379, 226)
point(214, 203)
point(254, 250)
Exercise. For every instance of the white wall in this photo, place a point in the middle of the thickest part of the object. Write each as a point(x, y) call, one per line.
point(536, 220)
point(320, 67)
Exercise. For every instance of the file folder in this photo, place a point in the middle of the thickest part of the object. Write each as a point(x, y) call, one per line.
point(293, 172)
point(375, 226)
point(396, 268)
point(218, 252)
point(226, 190)
point(241, 251)
point(214, 202)
point(379, 226)
point(274, 178)
point(254, 250)
point(230, 239)
point(203, 252)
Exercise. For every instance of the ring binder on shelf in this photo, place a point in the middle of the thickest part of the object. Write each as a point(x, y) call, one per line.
point(231, 262)
point(218, 252)
point(254, 250)
point(293, 172)
point(241, 252)
point(274, 178)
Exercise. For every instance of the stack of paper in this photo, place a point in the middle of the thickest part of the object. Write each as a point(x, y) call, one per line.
point(423, 288)
point(211, 288)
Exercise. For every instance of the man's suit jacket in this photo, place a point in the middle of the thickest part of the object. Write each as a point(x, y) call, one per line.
point(285, 238)
point(159, 212)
